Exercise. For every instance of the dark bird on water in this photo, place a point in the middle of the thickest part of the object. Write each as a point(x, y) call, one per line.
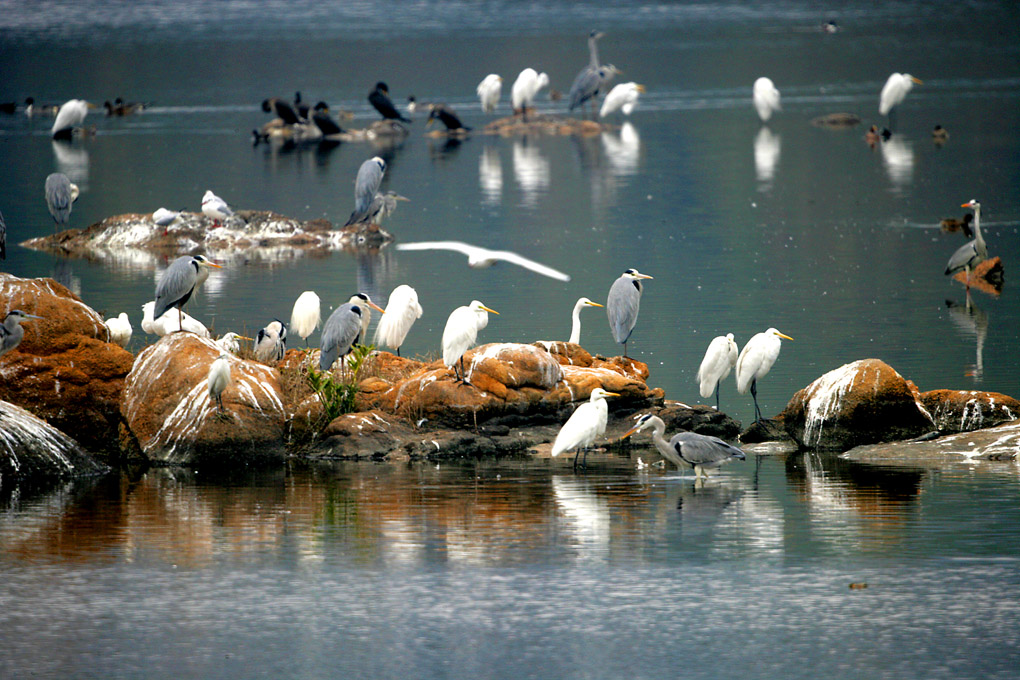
point(282, 109)
point(445, 115)
point(951, 224)
point(380, 99)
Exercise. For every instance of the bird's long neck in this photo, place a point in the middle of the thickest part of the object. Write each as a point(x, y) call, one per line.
point(977, 228)
point(575, 327)
point(659, 439)
point(593, 50)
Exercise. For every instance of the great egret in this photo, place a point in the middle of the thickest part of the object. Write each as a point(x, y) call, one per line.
point(11, 331)
point(228, 342)
point(445, 115)
point(60, 196)
point(341, 330)
point(383, 205)
point(575, 318)
point(306, 315)
point(165, 217)
point(623, 97)
point(402, 310)
point(586, 83)
point(524, 89)
point(479, 257)
point(271, 342)
point(219, 378)
point(688, 449)
point(178, 282)
point(951, 224)
point(755, 362)
point(970, 254)
point(164, 325)
point(720, 358)
point(894, 92)
point(379, 97)
point(366, 186)
point(461, 332)
point(766, 98)
point(215, 207)
point(623, 304)
point(586, 424)
point(71, 114)
point(488, 91)
point(363, 301)
point(120, 329)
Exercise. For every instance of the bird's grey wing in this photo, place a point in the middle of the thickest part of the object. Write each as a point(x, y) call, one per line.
point(961, 257)
point(622, 308)
point(175, 285)
point(699, 449)
point(522, 261)
point(340, 331)
point(222, 206)
point(58, 196)
point(367, 185)
point(585, 85)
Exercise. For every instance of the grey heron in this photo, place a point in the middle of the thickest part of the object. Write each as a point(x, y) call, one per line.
point(306, 315)
point(765, 97)
point(445, 115)
point(215, 208)
point(379, 98)
point(71, 114)
point(479, 257)
point(894, 92)
point(383, 205)
point(755, 362)
point(60, 196)
point(586, 84)
point(527, 85)
point(179, 282)
point(623, 97)
point(341, 330)
point(402, 310)
point(972, 253)
point(219, 378)
point(623, 304)
point(364, 302)
point(366, 186)
point(461, 332)
point(11, 331)
point(488, 91)
point(271, 342)
point(575, 318)
point(586, 424)
point(720, 358)
point(688, 449)
point(120, 329)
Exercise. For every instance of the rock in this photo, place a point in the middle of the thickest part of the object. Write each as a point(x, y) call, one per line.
point(167, 408)
point(30, 447)
point(546, 124)
point(65, 370)
point(371, 434)
point(1000, 443)
point(987, 277)
point(701, 419)
point(963, 411)
point(863, 402)
point(837, 120)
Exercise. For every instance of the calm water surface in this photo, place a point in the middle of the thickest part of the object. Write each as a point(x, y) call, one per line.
point(520, 569)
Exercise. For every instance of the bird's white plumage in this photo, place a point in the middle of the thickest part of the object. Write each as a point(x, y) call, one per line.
point(757, 357)
point(215, 207)
point(164, 216)
point(306, 315)
point(120, 329)
point(895, 91)
point(575, 318)
point(524, 89)
point(219, 378)
point(402, 310)
point(766, 98)
point(488, 92)
point(168, 323)
point(461, 330)
point(228, 342)
point(720, 358)
point(483, 257)
point(622, 97)
point(585, 425)
point(71, 114)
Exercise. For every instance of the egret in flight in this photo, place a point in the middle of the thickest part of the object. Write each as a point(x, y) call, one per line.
point(720, 358)
point(623, 305)
point(586, 424)
point(755, 362)
point(461, 333)
point(688, 449)
point(972, 253)
point(479, 257)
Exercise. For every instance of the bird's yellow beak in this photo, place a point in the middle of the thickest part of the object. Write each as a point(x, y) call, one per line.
point(593, 304)
point(375, 307)
point(965, 205)
point(783, 335)
point(490, 311)
point(612, 394)
point(640, 88)
point(402, 198)
point(630, 432)
point(245, 337)
point(212, 264)
point(643, 276)
point(917, 80)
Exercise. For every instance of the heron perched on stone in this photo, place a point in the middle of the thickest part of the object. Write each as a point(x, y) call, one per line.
point(461, 333)
point(972, 253)
point(342, 330)
point(755, 362)
point(228, 342)
point(623, 304)
point(383, 205)
point(363, 301)
point(688, 449)
point(60, 194)
point(527, 85)
point(586, 424)
point(164, 325)
point(402, 310)
point(593, 77)
point(271, 342)
point(379, 98)
point(179, 282)
point(720, 358)
point(11, 331)
point(366, 186)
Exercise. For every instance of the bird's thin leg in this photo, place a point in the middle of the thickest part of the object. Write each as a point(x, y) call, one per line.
point(967, 270)
point(754, 395)
point(717, 386)
point(625, 350)
point(180, 317)
point(576, 454)
point(398, 351)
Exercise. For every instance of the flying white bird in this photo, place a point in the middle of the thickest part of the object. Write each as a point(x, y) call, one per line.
point(479, 257)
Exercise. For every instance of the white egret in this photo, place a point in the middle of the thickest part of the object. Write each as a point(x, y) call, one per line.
point(179, 282)
point(219, 378)
point(165, 324)
point(379, 98)
point(479, 257)
point(488, 92)
point(120, 329)
point(623, 97)
point(720, 358)
point(228, 342)
point(755, 362)
point(306, 315)
point(461, 332)
point(215, 207)
point(623, 304)
point(585, 425)
point(688, 449)
point(575, 318)
point(524, 89)
point(972, 253)
point(766, 98)
point(402, 310)
point(894, 92)
point(71, 114)
point(11, 331)
point(271, 342)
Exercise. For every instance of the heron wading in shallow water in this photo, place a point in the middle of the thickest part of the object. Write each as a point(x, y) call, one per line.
point(688, 449)
point(586, 424)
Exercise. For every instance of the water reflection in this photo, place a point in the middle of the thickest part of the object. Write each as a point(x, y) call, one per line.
point(374, 270)
point(72, 159)
point(490, 175)
point(971, 322)
point(588, 519)
point(531, 171)
point(898, 158)
point(766, 156)
point(623, 150)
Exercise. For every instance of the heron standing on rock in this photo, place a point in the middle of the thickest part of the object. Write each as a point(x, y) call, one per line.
point(11, 331)
point(179, 282)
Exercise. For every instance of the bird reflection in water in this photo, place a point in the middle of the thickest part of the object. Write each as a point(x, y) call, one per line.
point(375, 267)
point(531, 170)
point(766, 156)
point(971, 322)
point(587, 515)
point(623, 150)
point(490, 175)
point(72, 159)
point(898, 157)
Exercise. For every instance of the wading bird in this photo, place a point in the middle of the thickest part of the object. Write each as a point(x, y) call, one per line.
point(720, 358)
point(894, 92)
point(623, 97)
point(71, 114)
point(215, 207)
point(461, 332)
point(755, 362)
point(766, 98)
point(306, 315)
point(363, 301)
point(588, 80)
point(11, 331)
point(488, 91)
point(164, 325)
point(219, 378)
point(402, 310)
point(379, 97)
point(575, 318)
point(60, 196)
point(383, 205)
point(178, 283)
point(623, 304)
point(120, 329)
point(271, 342)
point(527, 85)
point(688, 449)
point(229, 342)
point(970, 254)
point(366, 186)
point(479, 257)
point(586, 424)
point(341, 330)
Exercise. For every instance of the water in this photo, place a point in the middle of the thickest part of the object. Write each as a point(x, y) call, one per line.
point(516, 568)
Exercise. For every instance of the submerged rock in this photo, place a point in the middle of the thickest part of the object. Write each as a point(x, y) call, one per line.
point(963, 411)
point(30, 447)
point(1000, 443)
point(167, 408)
point(863, 402)
point(546, 124)
point(837, 120)
point(65, 369)
point(988, 277)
